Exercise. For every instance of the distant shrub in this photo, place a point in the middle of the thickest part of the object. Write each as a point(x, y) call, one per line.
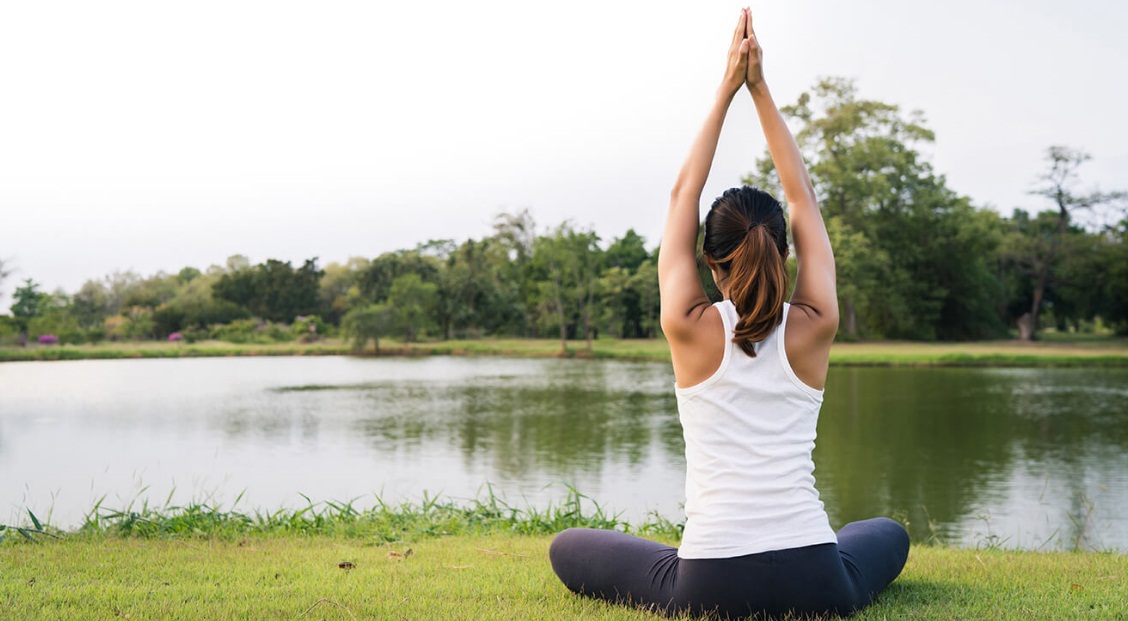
point(96, 334)
point(133, 323)
point(251, 331)
point(180, 317)
point(58, 325)
point(308, 329)
point(9, 331)
point(195, 334)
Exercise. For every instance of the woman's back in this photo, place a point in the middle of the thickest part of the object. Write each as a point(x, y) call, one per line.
point(756, 539)
point(749, 432)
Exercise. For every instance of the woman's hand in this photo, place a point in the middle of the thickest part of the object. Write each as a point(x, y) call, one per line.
point(754, 56)
point(736, 71)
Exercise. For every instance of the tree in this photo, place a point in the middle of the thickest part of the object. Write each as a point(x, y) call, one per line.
point(615, 298)
point(273, 290)
point(627, 252)
point(1037, 249)
point(567, 263)
point(187, 275)
point(511, 260)
point(335, 285)
point(29, 303)
point(91, 305)
point(469, 293)
point(644, 283)
point(412, 301)
point(896, 228)
point(376, 281)
point(1113, 258)
point(370, 321)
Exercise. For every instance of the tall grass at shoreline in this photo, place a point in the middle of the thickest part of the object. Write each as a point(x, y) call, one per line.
point(439, 560)
point(430, 517)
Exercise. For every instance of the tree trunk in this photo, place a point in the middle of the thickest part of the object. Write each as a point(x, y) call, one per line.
point(563, 330)
point(1029, 331)
point(851, 318)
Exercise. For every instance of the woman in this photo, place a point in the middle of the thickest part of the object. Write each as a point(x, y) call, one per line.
point(750, 372)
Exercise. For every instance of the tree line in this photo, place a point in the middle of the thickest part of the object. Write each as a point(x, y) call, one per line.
point(915, 260)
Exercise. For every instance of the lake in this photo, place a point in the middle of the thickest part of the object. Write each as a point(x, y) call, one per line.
point(1024, 458)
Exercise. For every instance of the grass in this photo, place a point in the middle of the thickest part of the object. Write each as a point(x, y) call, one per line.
point(483, 576)
point(437, 560)
point(1104, 352)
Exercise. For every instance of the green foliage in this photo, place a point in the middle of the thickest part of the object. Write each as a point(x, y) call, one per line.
point(566, 265)
point(58, 323)
point(339, 286)
point(246, 331)
point(913, 257)
point(9, 330)
point(376, 282)
point(368, 322)
point(309, 329)
point(915, 260)
point(29, 303)
point(274, 290)
point(31, 532)
point(412, 302)
point(1054, 262)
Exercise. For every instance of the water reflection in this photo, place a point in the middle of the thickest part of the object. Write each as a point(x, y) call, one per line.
point(980, 456)
point(1027, 458)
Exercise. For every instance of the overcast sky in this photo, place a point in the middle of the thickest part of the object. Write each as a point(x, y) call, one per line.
point(152, 135)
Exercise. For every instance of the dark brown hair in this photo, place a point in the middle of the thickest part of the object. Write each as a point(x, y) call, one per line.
point(746, 240)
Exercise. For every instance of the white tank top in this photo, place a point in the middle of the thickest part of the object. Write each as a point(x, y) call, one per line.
point(749, 431)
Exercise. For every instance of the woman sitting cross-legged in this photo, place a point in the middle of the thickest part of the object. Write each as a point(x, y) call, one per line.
point(750, 372)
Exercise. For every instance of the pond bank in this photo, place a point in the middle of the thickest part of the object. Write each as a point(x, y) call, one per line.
point(444, 560)
point(483, 576)
point(1100, 353)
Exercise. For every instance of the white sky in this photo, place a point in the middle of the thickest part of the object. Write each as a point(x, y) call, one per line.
point(152, 135)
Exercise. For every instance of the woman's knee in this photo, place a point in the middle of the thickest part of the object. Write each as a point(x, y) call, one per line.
point(887, 535)
point(895, 533)
point(565, 553)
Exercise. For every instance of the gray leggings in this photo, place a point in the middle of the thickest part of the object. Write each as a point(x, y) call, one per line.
point(828, 578)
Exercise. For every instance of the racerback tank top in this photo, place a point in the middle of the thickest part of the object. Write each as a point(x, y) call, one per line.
point(749, 431)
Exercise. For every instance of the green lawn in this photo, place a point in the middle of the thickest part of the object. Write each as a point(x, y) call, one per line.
point(1082, 352)
point(473, 576)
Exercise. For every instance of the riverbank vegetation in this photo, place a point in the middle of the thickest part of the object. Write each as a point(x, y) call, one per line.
point(1104, 352)
point(434, 560)
point(916, 261)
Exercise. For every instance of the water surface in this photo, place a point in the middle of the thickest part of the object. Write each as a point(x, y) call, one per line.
point(1032, 458)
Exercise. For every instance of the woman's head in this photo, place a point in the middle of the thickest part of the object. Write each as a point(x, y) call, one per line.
point(746, 247)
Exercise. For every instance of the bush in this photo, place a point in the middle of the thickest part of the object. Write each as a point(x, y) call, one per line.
point(251, 331)
point(134, 323)
point(180, 317)
point(308, 329)
point(57, 325)
point(9, 331)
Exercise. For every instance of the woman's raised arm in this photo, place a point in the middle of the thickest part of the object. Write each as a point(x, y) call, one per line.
point(815, 294)
point(683, 297)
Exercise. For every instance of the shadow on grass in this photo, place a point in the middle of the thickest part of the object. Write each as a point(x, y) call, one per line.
point(912, 597)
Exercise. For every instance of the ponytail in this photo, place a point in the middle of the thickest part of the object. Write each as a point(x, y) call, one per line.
point(746, 239)
point(757, 280)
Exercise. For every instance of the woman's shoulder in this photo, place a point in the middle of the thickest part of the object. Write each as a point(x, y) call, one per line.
point(807, 341)
point(698, 358)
